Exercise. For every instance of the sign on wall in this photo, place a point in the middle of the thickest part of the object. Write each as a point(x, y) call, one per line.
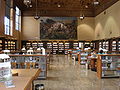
point(58, 28)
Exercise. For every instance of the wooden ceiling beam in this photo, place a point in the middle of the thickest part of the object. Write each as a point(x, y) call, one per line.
point(72, 6)
point(75, 13)
point(58, 9)
point(104, 6)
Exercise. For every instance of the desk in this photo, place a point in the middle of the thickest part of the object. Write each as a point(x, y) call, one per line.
point(24, 79)
point(26, 72)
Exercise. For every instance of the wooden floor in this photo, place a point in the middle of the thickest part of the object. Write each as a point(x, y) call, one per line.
point(64, 75)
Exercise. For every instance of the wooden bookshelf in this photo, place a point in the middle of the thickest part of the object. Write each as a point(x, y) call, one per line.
point(8, 44)
point(83, 57)
point(108, 65)
point(1, 44)
point(61, 46)
point(114, 45)
point(75, 44)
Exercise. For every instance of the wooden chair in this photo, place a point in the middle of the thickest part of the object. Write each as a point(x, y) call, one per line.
point(27, 65)
point(33, 64)
point(13, 64)
point(22, 65)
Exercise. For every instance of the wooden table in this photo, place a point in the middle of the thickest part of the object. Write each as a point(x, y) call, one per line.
point(24, 79)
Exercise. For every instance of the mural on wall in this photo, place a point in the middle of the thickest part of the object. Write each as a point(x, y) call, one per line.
point(58, 28)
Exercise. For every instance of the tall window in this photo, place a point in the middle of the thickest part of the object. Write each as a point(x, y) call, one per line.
point(7, 25)
point(18, 19)
point(7, 18)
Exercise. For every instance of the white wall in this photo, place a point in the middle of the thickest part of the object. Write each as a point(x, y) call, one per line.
point(85, 29)
point(30, 28)
point(108, 25)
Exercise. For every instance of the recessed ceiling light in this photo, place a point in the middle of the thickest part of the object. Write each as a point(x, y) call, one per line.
point(86, 6)
point(30, 5)
point(59, 5)
point(27, 2)
point(82, 17)
point(36, 17)
point(96, 2)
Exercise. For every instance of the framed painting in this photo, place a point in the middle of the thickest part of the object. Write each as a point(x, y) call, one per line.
point(58, 28)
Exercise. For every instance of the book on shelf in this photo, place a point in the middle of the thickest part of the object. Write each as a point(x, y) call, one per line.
point(1, 41)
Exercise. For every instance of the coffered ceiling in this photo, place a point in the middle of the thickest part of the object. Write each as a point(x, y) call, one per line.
point(64, 7)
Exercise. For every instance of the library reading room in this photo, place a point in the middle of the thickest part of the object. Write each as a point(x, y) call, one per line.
point(59, 45)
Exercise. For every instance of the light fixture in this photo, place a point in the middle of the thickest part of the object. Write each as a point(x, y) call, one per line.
point(4, 57)
point(82, 17)
point(30, 6)
point(96, 2)
point(23, 49)
point(59, 5)
point(30, 51)
point(38, 48)
point(6, 51)
point(27, 2)
point(81, 9)
point(86, 6)
point(36, 15)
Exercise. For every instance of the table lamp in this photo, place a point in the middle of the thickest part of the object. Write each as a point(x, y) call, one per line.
point(23, 49)
point(43, 51)
point(6, 51)
point(30, 51)
point(105, 50)
point(4, 57)
point(38, 49)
